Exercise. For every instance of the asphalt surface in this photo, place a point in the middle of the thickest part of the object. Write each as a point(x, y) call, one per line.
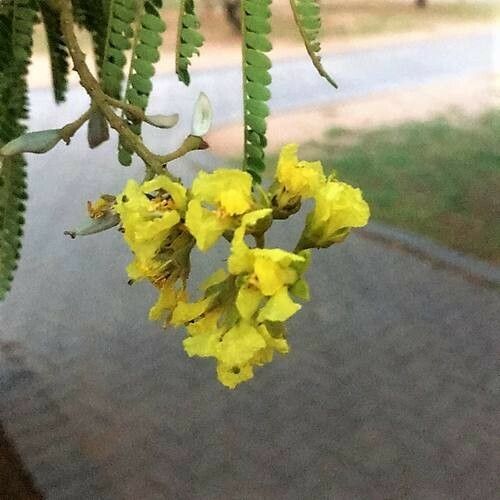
point(391, 390)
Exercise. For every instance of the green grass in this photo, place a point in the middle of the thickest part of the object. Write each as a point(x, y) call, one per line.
point(439, 178)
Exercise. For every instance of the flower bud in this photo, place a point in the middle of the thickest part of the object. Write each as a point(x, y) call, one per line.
point(295, 180)
point(202, 116)
point(339, 207)
point(98, 225)
point(98, 130)
point(32, 142)
point(162, 121)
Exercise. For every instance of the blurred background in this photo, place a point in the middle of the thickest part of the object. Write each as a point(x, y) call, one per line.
point(392, 387)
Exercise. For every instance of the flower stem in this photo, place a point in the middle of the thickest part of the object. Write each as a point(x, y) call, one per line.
point(154, 163)
point(69, 130)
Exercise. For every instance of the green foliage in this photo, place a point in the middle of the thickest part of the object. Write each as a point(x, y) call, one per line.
point(189, 40)
point(91, 15)
point(124, 32)
point(255, 27)
point(145, 52)
point(308, 19)
point(58, 52)
point(119, 31)
point(16, 34)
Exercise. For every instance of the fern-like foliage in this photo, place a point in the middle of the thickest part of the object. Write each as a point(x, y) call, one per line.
point(308, 19)
point(145, 53)
point(92, 15)
point(58, 52)
point(189, 39)
point(256, 79)
point(16, 39)
point(121, 15)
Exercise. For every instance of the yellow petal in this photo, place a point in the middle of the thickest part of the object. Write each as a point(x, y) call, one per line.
point(278, 255)
point(300, 178)
point(156, 228)
point(148, 269)
point(165, 303)
point(271, 276)
point(239, 344)
point(339, 206)
point(231, 376)
point(228, 188)
point(233, 203)
point(188, 311)
point(242, 258)
point(207, 324)
point(277, 344)
point(279, 307)
point(202, 345)
point(248, 301)
point(176, 190)
point(251, 218)
point(205, 225)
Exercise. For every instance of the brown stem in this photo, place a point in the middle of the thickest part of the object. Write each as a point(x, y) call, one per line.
point(99, 98)
point(191, 143)
point(134, 112)
point(69, 130)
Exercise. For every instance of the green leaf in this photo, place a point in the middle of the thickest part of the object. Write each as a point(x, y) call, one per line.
point(119, 31)
point(301, 289)
point(307, 17)
point(145, 52)
point(189, 40)
point(256, 79)
point(16, 31)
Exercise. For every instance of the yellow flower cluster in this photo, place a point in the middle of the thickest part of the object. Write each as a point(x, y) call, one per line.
point(240, 318)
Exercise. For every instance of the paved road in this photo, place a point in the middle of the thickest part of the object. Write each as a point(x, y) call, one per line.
point(391, 391)
point(295, 82)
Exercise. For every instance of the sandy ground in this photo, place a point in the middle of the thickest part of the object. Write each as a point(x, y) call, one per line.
point(468, 96)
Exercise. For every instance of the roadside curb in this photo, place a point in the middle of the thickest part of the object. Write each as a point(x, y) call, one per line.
point(473, 269)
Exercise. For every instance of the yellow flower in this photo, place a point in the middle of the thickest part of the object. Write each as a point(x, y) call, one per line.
point(205, 225)
point(299, 178)
point(231, 376)
point(338, 208)
point(176, 192)
point(279, 307)
point(189, 311)
point(239, 344)
point(295, 180)
point(267, 270)
point(167, 300)
point(204, 335)
point(146, 269)
point(273, 344)
point(148, 218)
point(148, 213)
point(219, 198)
point(228, 190)
point(242, 348)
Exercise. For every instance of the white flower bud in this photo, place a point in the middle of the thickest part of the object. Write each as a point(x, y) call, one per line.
point(162, 121)
point(202, 116)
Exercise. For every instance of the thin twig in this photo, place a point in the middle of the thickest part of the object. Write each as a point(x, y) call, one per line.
point(69, 130)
